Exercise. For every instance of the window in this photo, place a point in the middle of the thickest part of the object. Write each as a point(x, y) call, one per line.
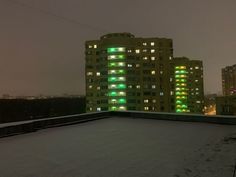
point(98, 109)
point(138, 86)
point(152, 50)
point(137, 51)
point(153, 72)
point(145, 101)
point(90, 86)
point(98, 73)
point(144, 44)
point(89, 73)
point(146, 108)
point(145, 58)
point(90, 46)
point(196, 67)
point(153, 58)
point(161, 93)
point(152, 43)
point(129, 65)
point(98, 88)
point(95, 46)
point(153, 86)
point(154, 101)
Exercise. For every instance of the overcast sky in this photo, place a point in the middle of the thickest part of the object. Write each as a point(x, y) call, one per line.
point(42, 53)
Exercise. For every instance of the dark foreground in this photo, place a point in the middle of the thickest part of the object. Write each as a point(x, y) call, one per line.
point(122, 147)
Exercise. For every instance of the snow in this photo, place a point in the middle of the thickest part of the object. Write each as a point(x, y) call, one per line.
point(122, 147)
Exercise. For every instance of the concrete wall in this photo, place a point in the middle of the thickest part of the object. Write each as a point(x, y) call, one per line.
point(10, 129)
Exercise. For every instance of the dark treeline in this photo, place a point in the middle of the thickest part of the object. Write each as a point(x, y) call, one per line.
point(12, 110)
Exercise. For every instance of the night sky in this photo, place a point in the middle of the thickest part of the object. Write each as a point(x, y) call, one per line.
point(42, 42)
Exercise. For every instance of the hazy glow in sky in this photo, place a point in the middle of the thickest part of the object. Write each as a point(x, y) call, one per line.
point(44, 54)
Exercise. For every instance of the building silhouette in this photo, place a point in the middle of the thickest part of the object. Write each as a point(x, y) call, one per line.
point(229, 80)
point(128, 73)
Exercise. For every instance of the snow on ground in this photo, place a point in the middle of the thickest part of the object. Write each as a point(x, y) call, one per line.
point(122, 147)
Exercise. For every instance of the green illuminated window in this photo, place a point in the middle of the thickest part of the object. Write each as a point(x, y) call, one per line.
point(114, 57)
point(115, 49)
point(112, 79)
point(112, 93)
point(122, 100)
point(121, 86)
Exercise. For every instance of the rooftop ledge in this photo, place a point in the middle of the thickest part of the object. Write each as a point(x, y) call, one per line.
point(14, 128)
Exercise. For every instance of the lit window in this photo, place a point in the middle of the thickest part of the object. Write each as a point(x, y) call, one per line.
point(118, 49)
point(145, 101)
point(198, 102)
point(137, 86)
point(152, 50)
point(121, 78)
point(137, 51)
point(191, 68)
point(90, 109)
point(121, 93)
point(112, 86)
point(95, 46)
point(170, 58)
point(144, 43)
point(145, 58)
point(90, 86)
point(98, 109)
point(152, 43)
point(171, 79)
point(98, 73)
point(122, 108)
point(153, 58)
point(89, 73)
point(196, 67)
point(171, 93)
point(161, 93)
point(146, 108)
point(129, 51)
point(153, 72)
point(153, 86)
point(90, 46)
point(129, 65)
point(196, 80)
point(98, 88)
point(161, 72)
point(130, 86)
point(197, 89)
point(144, 50)
point(154, 101)
point(137, 65)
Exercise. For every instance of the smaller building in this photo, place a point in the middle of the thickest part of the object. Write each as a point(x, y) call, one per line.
point(226, 105)
point(229, 80)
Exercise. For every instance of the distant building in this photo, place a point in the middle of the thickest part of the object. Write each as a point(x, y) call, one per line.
point(226, 105)
point(229, 80)
point(128, 73)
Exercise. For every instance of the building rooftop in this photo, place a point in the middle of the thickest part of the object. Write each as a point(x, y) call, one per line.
point(122, 145)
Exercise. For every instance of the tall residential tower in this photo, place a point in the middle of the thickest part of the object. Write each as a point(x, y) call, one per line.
point(128, 73)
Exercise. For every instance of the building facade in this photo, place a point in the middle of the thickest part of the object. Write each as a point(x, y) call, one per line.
point(188, 84)
point(226, 105)
point(229, 80)
point(128, 73)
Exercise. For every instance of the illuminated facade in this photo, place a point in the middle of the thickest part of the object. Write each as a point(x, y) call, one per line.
point(128, 73)
point(188, 82)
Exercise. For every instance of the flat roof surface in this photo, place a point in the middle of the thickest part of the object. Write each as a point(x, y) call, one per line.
point(122, 147)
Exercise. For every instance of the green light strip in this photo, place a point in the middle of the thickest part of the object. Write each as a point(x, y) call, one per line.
point(116, 79)
point(181, 88)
